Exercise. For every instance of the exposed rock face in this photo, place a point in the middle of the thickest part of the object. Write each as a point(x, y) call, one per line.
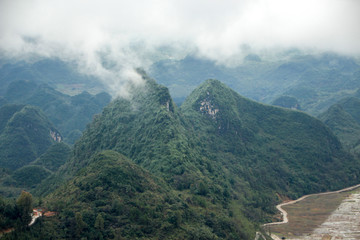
point(206, 107)
point(56, 136)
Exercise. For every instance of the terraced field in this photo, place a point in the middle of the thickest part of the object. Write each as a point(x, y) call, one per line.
point(331, 216)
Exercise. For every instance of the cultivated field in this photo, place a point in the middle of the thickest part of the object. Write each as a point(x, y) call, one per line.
point(322, 217)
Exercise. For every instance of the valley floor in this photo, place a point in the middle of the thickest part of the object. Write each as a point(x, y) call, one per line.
point(343, 223)
point(333, 215)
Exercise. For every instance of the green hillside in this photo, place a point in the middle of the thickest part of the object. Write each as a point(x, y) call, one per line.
point(29, 176)
point(111, 187)
point(269, 147)
point(69, 114)
point(25, 133)
point(132, 203)
point(222, 160)
point(54, 157)
point(343, 118)
point(287, 102)
point(57, 88)
point(114, 198)
point(351, 105)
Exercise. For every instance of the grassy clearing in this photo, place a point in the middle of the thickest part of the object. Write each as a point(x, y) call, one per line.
point(306, 215)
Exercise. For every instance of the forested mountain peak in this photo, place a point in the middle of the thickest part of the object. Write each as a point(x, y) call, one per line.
point(151, 93)
point(142, 127)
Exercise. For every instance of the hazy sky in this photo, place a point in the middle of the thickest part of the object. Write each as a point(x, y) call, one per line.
point(132, 33)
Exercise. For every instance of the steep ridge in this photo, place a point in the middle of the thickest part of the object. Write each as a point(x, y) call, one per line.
point(222, 157)
point(144, 128)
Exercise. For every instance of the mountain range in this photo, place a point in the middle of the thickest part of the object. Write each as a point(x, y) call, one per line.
point(212, 165)
point(316, 81)
point(212, 169)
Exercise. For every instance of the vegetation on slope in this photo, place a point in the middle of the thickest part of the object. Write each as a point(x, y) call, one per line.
point(27, 138)
point(152, 132)
point(212, 169)
point(114, 198)
point(27, 176)
point(271, 148)
point(287, 102)
point(69, 114)
point(129, 200)
point(54, 157)
point(31, 175)
point(25, 133)
point(15, 214)
point(221, 157)
point(343, 118)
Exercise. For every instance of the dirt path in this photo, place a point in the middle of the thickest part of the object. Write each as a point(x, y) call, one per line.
point(33, 219)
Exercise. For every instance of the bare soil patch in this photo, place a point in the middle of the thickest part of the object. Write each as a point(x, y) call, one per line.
point(308, 214)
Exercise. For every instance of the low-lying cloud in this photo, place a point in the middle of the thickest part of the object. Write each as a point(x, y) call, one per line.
point(107, 38)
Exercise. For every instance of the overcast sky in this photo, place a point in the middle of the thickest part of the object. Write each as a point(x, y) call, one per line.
point(134, 33)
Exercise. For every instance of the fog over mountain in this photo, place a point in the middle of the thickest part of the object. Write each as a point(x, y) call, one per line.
point(109, 38)
point(152, 119)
